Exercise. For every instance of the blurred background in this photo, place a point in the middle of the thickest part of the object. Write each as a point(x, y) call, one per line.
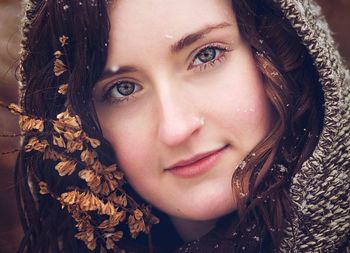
point(336, 11)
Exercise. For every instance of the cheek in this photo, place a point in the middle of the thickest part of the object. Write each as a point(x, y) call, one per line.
point(131, 143)
point(247, 111)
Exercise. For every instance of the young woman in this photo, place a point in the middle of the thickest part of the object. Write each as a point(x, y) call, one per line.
point(229, 118)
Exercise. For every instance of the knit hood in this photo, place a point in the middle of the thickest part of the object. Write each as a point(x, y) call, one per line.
point(320, 190)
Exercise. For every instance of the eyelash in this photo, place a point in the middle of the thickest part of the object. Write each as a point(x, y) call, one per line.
point(201, 67)
point(107, 96)
point(222, 54)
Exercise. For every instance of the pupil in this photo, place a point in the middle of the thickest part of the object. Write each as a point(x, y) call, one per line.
point(126, 88)
point(207, 55)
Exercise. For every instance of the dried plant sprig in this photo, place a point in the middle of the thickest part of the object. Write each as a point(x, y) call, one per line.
point(63, 40)
point(64, 141)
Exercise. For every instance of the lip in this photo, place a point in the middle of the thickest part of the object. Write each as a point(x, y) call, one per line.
point(197, 164)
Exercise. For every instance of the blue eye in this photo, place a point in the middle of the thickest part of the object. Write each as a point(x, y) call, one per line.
point(121, 91)
point(208, 57)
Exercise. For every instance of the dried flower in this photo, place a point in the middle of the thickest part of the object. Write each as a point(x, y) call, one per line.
point(73, 146)
point(94, 142)
point(35, 144)
point(111, 238)
point(15, 109)
point(93, 181)
point(97, 167)
point(88, 156)
point(88, 238)
point(64, 40)
point(43, 188)
point(63, 89)
point(135, 226)
point(69, 198)
point(59, 67)
point(95, 184)
point(69, 121)
point(27, 124)
point(116, 218)
point(90, 202)
point(58, 141)
point(108, 209)
point(138, 214)
point(66, 167)
point(58, 54)
point(121, 200)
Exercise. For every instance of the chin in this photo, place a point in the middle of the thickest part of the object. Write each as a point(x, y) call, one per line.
point(204, 211)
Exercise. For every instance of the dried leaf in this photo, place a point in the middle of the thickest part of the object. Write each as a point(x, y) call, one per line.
point(63, 40)
point(135, 226)
point(73, 146)
point(138, 214)
point(110, 168)
point(59, 67)
point(88, 156)
point(43, 188)
point(15, 109)
point(35, 144)
point(66, 167)
point(63, 89)
point(70, 198)
point(58, 54)
point(116, 218)
point(94, 142)
point(108, 209)
point(58, 141)
point(27, 124)
point(122, 200)
point(87, 175)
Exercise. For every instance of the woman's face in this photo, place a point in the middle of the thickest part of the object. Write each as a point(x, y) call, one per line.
point(181, 102)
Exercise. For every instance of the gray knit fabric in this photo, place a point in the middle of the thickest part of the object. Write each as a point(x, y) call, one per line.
point(320, 191)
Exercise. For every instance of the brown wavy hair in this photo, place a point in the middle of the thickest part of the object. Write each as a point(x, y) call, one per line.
point(261, 184)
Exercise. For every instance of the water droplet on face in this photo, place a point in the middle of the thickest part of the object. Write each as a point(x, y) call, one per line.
point(114, 68)
point(168, 36)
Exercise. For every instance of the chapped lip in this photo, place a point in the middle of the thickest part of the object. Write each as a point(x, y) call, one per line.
point(195, 159)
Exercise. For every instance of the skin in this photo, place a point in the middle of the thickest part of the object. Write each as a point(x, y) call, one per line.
point(161, 123)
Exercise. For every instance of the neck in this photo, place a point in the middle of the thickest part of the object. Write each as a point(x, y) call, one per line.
point(190, 230)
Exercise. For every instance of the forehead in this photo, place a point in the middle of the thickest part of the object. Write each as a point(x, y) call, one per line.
point(151, 22)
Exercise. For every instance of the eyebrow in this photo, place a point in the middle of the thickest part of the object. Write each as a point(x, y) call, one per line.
point(109, 72)
point(193, 37)
point(184, 42)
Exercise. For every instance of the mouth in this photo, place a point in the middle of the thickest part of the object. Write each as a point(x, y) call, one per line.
point(197, 165)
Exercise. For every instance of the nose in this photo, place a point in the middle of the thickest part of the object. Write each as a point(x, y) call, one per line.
point(179, 119)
